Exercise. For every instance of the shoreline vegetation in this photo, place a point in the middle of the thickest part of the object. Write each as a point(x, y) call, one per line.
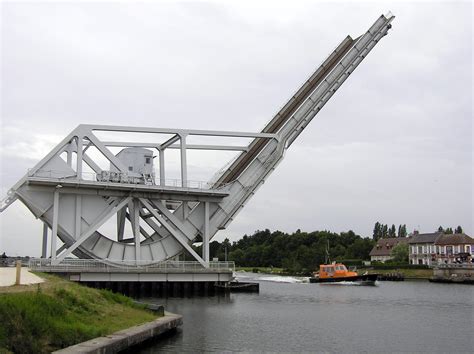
point(298, 253)
point(44, 317)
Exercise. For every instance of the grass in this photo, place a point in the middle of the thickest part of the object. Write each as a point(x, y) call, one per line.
point(408, 273)
point(58, 313)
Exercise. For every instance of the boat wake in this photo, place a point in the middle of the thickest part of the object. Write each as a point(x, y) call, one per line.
point(347, 283)
point(270, 278)
point(280, 279)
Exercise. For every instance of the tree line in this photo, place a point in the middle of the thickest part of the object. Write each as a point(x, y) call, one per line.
point(449, 230)
point(384, 231)
point(298, 252)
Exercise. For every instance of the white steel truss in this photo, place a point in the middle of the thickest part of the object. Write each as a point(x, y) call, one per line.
point(166, 219)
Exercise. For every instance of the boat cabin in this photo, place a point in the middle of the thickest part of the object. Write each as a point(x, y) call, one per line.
point(335, 270)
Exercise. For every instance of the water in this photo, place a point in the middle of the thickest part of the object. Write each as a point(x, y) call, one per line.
point(292, 316)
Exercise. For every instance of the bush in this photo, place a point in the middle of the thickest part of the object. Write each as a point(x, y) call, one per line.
point(395, 265)
point(351, 262)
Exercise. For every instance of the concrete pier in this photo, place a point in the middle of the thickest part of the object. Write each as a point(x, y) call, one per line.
point(126, 338)
point(454, 273)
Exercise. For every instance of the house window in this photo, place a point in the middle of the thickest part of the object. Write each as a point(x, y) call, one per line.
point(468, 249)
point(449, 250)
point(420, 261)
point(130, 168)
point(147, 160)
point(420, 249)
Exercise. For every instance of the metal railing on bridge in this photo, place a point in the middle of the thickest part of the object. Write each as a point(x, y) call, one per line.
point(118, 266)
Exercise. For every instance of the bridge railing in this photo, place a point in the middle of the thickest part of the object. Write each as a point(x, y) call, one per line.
point(119, 177)
point(119, 266)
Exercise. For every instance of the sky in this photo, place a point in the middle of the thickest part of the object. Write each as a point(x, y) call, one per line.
point(393, 145)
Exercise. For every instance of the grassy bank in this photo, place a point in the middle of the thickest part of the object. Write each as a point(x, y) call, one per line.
point(408, 273)
point(58, 313)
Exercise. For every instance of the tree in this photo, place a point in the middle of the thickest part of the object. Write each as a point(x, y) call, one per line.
point(402, 231)
point(392, 231)
point(377, 231)
point(384, 231)
point(459, 230)
point(399, 253)
point(440, 229)
point(238, 256)
point(448, 231)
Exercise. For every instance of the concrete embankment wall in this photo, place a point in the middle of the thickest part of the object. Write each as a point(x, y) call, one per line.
point(449, 272)
point(454, 274)
point(127, 338)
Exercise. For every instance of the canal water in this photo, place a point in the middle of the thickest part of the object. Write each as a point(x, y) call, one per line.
point(292, 316)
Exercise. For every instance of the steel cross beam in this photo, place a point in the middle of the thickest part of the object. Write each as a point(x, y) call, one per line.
point(93, 228)
point(175, 233)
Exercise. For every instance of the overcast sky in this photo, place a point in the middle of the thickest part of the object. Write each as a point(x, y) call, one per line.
point(393, 145)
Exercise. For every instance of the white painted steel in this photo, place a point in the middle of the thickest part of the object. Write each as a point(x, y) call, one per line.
point(75, 203)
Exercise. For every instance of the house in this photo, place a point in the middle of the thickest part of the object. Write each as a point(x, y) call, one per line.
point(422, 248)
point(439, 248)
point(454, 248)
point(383, 248)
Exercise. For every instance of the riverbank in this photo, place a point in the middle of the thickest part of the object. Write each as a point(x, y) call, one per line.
point(407, 273)
point(57, 313)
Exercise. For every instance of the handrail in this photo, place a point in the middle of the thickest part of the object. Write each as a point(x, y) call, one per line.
point(120, 178)
point(120, 266)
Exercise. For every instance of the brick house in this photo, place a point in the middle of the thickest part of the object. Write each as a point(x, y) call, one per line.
point(382, 249)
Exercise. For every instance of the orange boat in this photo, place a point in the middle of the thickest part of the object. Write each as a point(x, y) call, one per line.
point(337, 272)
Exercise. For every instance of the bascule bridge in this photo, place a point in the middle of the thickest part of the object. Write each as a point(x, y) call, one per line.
point(86, 180)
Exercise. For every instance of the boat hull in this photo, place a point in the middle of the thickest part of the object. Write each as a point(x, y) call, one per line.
point(366, 279)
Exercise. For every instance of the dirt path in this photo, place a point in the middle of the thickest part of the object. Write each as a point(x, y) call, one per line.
point(8, 277)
